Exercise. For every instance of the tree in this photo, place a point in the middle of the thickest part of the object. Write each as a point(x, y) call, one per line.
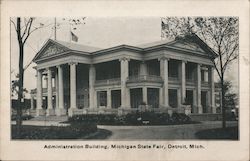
point(24, 28)
point(231, 98)
point(220, 33)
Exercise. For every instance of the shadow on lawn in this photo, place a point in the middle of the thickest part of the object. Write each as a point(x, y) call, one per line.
point(230, 133)
point(100, 134)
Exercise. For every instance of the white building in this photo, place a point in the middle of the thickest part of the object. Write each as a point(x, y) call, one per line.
point(165, 75)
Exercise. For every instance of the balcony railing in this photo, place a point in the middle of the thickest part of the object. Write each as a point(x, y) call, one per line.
point(204, 84)
point(145, 78)
point(45, 90)
point(113, 81)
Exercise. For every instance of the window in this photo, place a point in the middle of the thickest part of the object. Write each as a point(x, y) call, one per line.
point(102, 97)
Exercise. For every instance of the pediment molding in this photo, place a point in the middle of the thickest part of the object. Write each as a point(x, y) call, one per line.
point(188, 46)
point(51, 48)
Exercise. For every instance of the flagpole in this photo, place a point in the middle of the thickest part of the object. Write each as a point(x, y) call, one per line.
point(55, 29)
point(161, 28)
point(69, 32)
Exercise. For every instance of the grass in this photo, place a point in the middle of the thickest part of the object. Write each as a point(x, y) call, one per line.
point(230, 133)
point(76, 131)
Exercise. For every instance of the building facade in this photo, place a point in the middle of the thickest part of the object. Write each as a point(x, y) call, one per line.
point(165, 75)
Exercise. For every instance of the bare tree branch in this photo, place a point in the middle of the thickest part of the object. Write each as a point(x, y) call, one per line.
point(14, 25)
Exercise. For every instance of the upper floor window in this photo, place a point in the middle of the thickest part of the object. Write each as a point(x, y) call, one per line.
point(173, 68)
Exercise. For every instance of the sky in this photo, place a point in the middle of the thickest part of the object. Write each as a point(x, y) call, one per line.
point(95, 31)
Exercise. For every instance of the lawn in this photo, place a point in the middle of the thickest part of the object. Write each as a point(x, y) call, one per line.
point(219, 133)
point(76, 131)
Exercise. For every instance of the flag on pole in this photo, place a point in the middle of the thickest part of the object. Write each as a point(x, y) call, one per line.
point(73, 37)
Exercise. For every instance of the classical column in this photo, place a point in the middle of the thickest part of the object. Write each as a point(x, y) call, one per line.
point(183, 81)
point(60, 110)
point(125, 97)
point(49, 91)
point(56, 88)
point(164, 75)
point(39, 96)
point(212, 90)
point(72, 88)
point(198, 88)
point(108, 98)
point(145, 95)
point(92, 97)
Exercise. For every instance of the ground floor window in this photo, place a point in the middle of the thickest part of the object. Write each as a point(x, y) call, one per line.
point(204, 102)
point(135, 97)
point(172, 96)
point(153, 97)
point(116, 98)
point(80, 101)
point(190, 99)
point(102, 98)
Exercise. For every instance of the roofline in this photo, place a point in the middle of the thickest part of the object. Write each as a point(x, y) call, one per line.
point(117, 48)
point(206, 45)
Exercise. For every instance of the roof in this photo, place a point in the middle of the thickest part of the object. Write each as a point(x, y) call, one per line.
point(155, 43)
point(137, 48)
point(78, 47)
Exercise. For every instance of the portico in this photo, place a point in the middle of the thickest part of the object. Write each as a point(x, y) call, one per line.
point(165, 76)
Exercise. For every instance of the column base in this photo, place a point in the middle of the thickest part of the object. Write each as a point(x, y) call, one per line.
point(50, 112)
point(40, 112)
point(60, 112)
point(200, 110)
point(213, 109)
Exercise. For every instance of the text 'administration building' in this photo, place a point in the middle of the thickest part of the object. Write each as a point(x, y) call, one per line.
point(165, 75)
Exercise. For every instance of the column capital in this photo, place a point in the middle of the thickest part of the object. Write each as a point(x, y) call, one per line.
point(58, 66)
point(163, 58)
point(91, 65)
point(73, 63)
point(184, 61)
point(48, 68)
point(124, 59)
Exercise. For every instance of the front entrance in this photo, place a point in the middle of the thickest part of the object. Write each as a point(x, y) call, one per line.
point(135, 97)
point(115, 98)
point(172, 96)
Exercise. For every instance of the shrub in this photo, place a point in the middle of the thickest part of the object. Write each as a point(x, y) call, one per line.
point(136, 118)
point(94, 118)
point(24, 117)
point(177, 118)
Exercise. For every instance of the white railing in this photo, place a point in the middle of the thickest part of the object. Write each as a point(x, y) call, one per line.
point(145, 78)
point(113, 81)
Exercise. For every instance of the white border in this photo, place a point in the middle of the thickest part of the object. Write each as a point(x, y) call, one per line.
point(214, 150)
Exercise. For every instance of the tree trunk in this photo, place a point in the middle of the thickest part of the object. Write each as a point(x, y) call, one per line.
point(223, 103)
point(20, 81)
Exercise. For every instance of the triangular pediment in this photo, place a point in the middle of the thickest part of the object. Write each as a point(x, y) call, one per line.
point(188, 46)
point(50, 48)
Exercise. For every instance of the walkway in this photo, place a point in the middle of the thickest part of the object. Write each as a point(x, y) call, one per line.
point(160, 132)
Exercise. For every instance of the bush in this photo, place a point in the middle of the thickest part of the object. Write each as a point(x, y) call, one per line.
point(137, 118)
point(180, 118)
point(93, 118)
point(24, 117)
